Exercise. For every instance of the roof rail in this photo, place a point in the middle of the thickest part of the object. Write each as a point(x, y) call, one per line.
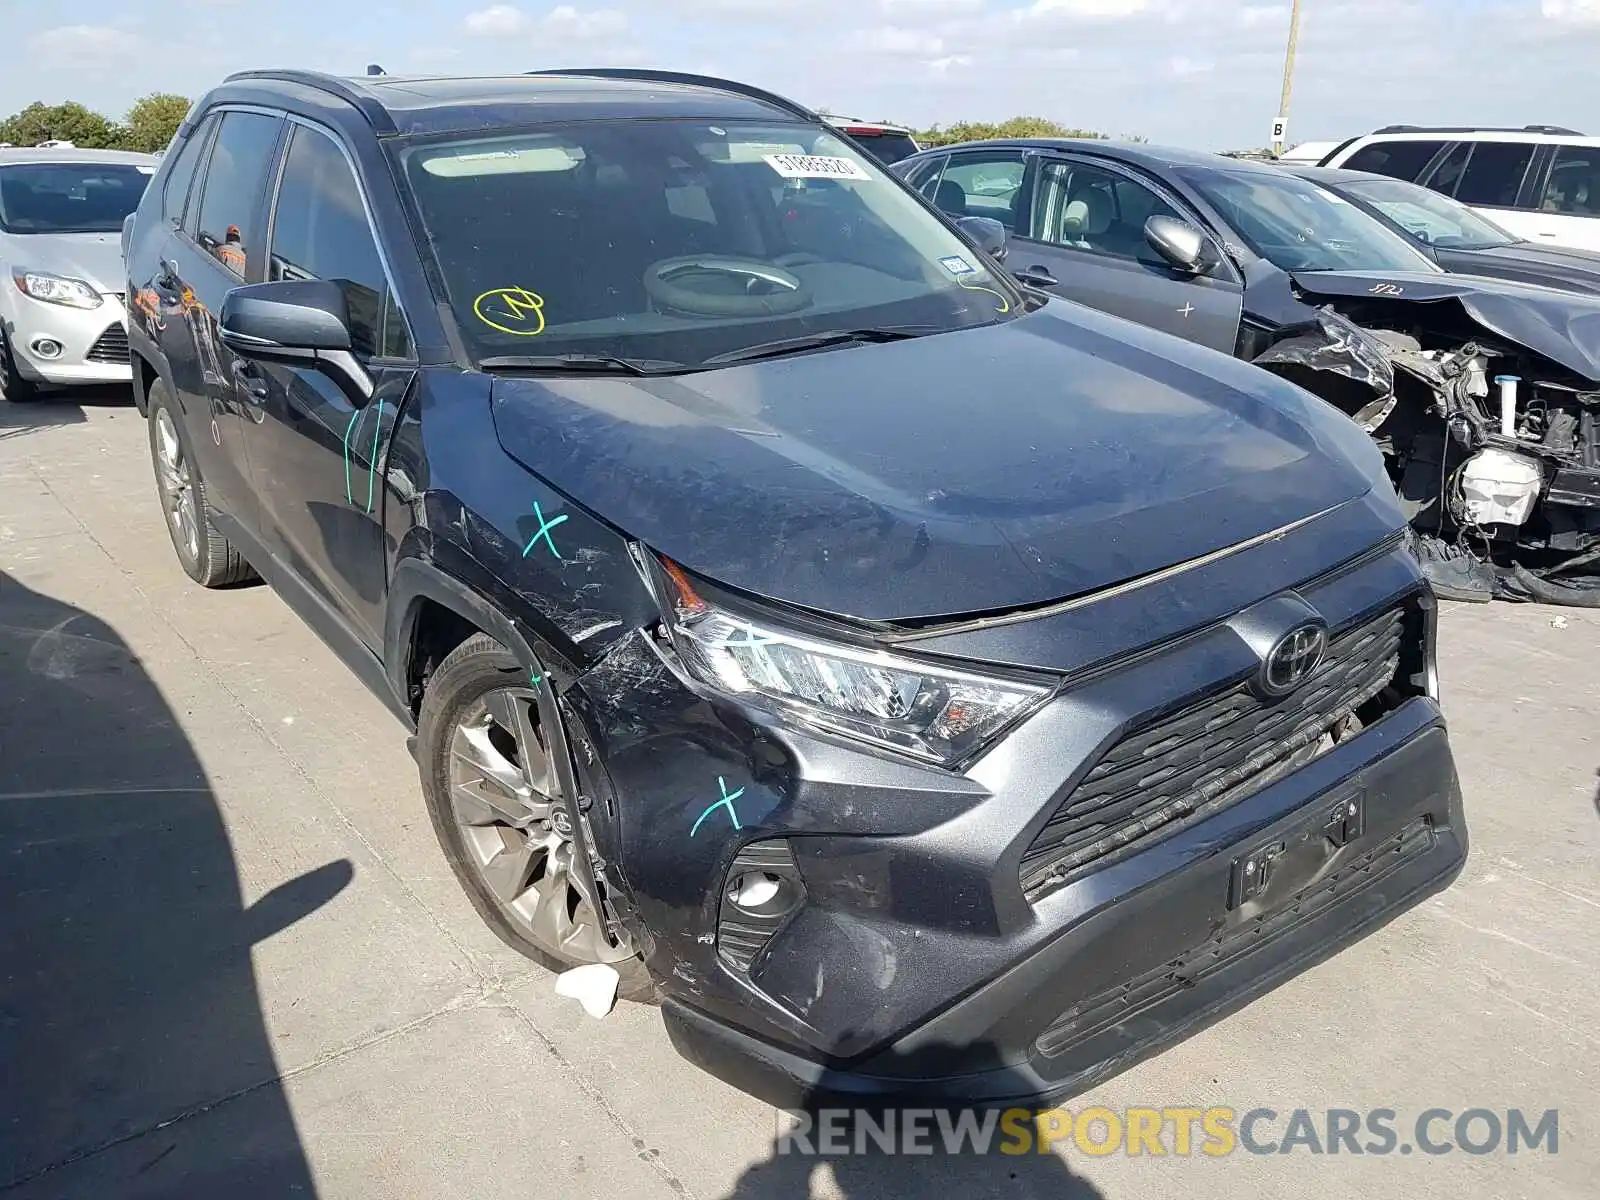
point(1555, 129)
point(377, 116)
point(711, 81)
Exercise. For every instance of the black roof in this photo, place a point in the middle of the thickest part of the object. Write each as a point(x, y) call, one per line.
point(396, 104)
point(1335, 175)
point(1138, 154)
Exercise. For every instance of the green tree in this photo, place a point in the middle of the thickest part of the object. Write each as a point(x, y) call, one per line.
point(1014, 127)
point(71, 122)
point(152, 121)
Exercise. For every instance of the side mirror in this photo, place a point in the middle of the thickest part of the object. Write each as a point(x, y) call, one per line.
point(1180, 244)
point(300, 322)
point(988, 233)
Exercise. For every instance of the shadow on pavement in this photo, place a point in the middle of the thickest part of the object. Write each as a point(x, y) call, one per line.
point(127, 994)
point(944, 1165)
point(59, 406)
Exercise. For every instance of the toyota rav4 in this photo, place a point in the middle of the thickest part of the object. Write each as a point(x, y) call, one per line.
point(918, 685)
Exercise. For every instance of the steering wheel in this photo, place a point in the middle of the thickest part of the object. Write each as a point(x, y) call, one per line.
point(767, 290)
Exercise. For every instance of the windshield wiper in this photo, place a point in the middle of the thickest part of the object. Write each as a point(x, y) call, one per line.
point(598, 363)
point(820, 341)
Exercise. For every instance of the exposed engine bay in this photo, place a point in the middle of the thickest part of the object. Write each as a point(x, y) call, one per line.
point(1493, 445)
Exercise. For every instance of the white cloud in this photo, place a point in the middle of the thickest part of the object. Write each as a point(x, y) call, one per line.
point(908, 43)
point(563, 21)
point(500, 20)
point(950, 62)
point(82, 45)
point(1183, 66)
point(913, 10)
point(1575, 12)
point(1274, 15)
point(1114, 9)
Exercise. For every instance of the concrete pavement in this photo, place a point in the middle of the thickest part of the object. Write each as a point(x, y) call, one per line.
point(227, 935)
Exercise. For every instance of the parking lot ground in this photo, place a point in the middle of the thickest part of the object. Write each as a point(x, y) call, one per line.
point(233, 962)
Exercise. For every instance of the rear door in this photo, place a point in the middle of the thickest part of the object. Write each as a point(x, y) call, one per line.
point(316, 451)
point(1563, 200)
point(1085, 240)
point(221, 247)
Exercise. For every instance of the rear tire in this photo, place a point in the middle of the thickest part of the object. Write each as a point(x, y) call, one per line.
point(495, 799)
point(205, 555)
point(17, 389)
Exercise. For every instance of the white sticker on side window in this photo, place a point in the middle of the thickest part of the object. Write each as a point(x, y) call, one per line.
point(145, 170)
point(815, 166)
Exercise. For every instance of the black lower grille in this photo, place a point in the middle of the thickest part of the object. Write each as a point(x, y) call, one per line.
point(1123, 1003)
point(110, 347)
point(1206, 756)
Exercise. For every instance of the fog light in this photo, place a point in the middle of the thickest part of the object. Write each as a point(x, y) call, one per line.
point(763, 891)
point(46, 347)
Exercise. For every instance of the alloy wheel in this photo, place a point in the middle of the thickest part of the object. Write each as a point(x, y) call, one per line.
point(505, 797)
point(177, 486)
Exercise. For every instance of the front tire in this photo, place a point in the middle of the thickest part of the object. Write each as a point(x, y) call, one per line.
point(206, 556)
point(16, 389)
point(495, 798)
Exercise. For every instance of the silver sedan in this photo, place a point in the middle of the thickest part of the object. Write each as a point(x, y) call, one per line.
point(62, 315)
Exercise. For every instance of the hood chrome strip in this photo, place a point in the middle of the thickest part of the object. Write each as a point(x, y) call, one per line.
point(1109, 593)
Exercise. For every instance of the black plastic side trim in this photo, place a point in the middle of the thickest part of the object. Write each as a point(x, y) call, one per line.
point(377, 116)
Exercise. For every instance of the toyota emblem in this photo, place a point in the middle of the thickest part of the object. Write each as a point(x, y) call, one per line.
point(1293, 658)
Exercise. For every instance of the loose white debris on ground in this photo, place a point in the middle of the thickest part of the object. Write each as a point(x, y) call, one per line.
point(593, 985)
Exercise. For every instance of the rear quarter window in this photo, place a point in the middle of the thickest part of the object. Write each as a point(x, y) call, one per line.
point(1400, 160)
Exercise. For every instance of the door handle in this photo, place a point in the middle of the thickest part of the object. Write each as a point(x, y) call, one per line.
point(1036, 276)
point(250, 380)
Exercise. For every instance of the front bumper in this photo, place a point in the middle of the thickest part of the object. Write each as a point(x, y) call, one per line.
point(1141, 968)
point(94, 341)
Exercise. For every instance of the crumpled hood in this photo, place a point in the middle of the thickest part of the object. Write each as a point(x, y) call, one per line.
point(95, 258)
point(1529, 262)
point(962, 473)
point(1563, 326)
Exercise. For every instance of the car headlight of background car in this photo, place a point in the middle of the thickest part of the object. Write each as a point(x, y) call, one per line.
point(934, 713)
point(57, 289)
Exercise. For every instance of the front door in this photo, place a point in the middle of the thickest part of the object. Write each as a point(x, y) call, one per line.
point(205, 256)
point(1085, 240)
point(316, 449)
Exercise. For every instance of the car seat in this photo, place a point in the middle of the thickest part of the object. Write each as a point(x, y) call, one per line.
point(950, 197)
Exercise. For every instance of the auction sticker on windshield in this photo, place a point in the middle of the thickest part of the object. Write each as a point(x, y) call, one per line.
point(815, 166)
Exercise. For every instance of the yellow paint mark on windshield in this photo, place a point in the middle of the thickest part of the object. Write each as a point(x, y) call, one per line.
point(1004, 305)
point(513, 310)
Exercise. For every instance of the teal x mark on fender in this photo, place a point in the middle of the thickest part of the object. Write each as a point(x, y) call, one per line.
point(726, 802)
point(545, 526)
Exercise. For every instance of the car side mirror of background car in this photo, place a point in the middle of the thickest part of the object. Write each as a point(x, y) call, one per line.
point(299, 322)
point(1181, 244)
point(988, 233)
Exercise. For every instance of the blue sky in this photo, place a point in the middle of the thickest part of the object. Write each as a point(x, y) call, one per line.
point(1202, 73)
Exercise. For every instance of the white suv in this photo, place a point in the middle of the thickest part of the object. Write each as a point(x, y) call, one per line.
point(1540, 182)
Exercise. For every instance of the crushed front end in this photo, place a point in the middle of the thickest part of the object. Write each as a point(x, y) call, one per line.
point(1493, 446)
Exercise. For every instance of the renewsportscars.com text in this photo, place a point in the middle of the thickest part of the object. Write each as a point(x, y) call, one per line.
point(1173, 1130)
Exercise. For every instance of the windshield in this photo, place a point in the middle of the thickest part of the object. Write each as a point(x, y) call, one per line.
point(1299, 226)
point(1431, 217)
point(69, 197)
point(679, 241)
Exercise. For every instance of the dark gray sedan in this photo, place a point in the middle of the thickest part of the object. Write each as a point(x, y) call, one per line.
point(1458, 238)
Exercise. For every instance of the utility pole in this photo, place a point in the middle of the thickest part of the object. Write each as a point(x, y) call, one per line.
point(1280, 126)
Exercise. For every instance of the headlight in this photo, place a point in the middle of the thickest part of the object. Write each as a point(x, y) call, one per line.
point(933, 713)
point(57, 289)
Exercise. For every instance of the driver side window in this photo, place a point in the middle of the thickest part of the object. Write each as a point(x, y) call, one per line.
point(982, 184)
point(1095, 210)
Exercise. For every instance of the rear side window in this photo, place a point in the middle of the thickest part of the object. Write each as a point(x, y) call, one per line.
point(1401, 160)
point(1493, 175)
point(1574, 184)
point(925, 176)
point(885, 147)
point(175, 194)
point(1447, 174)
point(984, 183)
point(320, 231)
point(236, 178)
